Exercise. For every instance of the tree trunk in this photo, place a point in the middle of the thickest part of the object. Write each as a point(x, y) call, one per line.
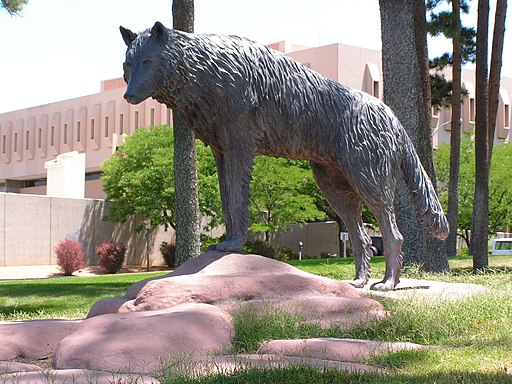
point(185, 161)
point(480, 221)
point(453, 184)
point(407, 92)
point(495, 71)
point(183, 15)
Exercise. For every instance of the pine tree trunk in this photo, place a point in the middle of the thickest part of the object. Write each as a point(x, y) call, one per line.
point(185, 161)
point(480, 221)
point(453, 184)
point(407, 92)
point(495, 71)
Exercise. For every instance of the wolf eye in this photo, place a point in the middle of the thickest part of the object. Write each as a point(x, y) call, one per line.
point(146, 62)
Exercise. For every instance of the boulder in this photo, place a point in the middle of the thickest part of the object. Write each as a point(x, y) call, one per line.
point(14, 366)
point(188, 313)
point(75, 376)
point(138, 341)
point(346, 350)
point(35, 339)
point(225, 279)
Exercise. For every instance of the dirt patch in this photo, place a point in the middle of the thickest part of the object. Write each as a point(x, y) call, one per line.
point(42, 363)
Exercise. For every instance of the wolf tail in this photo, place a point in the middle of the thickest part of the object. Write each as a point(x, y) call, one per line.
point(423, 193)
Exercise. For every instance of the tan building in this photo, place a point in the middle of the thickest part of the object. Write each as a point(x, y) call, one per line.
point(95, 125)
point(441, 120)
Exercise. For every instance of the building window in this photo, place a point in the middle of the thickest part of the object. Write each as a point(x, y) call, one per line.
point(168, 116)
point(52, 136)
point(471, 109)
point(136, 123)
point(39, 138)
point(16, 142)
point(106, 126)
point(376, 89)
point(4, 139)
point(78, 132)
point(121, 122)
point(27, 138)
point(507, 116)
point(152, 116)
point(33, 183)
point(92, 129)
point(65, 140)
point(92, 176)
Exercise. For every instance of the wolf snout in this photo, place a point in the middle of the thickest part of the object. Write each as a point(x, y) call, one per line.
point(130, 98)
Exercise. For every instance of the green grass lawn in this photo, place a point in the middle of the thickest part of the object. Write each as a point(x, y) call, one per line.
point(61, 297)
point(470, 340)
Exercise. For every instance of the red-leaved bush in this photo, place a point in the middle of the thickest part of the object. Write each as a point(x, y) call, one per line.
point(69, 256)
point(168, 252)
point(111, 255)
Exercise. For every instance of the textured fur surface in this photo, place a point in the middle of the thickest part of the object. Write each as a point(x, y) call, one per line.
point(243, 99)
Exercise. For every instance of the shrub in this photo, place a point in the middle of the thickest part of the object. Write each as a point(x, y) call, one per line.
point(260, 247)
point(168, 252)
point(285, 254)
point(206, 241)
point(69, 256)
point(111, 255)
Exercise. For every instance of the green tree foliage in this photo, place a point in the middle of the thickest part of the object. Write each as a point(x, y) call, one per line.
point(13, 7)
point(443, 23)
point(280, 195)
point(500, 190)
point(139, 179)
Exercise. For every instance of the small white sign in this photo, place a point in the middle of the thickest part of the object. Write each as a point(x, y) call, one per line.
point(344, 236)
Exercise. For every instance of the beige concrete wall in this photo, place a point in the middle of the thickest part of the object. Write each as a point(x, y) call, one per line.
point(318, 238)
point(2, 229)
point(27, 224)
point(32, 226)
point(94, 189)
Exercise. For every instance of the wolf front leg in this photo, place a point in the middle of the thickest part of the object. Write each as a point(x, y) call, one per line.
point(234, 169)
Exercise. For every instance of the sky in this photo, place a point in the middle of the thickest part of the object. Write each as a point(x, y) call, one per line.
point(61, 49)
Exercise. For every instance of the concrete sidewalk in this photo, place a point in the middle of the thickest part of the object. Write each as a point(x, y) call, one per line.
point(42, 272)
point(48, 271)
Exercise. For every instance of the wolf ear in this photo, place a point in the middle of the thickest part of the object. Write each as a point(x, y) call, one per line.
point(128, 36)
point(160, 32)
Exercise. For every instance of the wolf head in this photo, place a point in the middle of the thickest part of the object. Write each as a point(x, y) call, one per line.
point(145, 62)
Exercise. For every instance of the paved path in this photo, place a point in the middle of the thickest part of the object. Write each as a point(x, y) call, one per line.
point(46, 271)
point(28, 272)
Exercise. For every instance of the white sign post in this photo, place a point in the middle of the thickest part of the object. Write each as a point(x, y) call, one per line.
point(344, 238)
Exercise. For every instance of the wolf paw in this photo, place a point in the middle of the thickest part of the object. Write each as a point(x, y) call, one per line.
point(358, 283)
point(234, 245)
point(384, 286)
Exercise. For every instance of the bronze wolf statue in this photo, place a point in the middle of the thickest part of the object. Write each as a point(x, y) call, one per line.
point(243, 99)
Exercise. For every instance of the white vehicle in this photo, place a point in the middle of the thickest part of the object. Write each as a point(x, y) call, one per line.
point(502, 246)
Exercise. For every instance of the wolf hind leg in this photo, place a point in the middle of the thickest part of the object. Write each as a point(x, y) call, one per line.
point(345, 201)
point(392, 246)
